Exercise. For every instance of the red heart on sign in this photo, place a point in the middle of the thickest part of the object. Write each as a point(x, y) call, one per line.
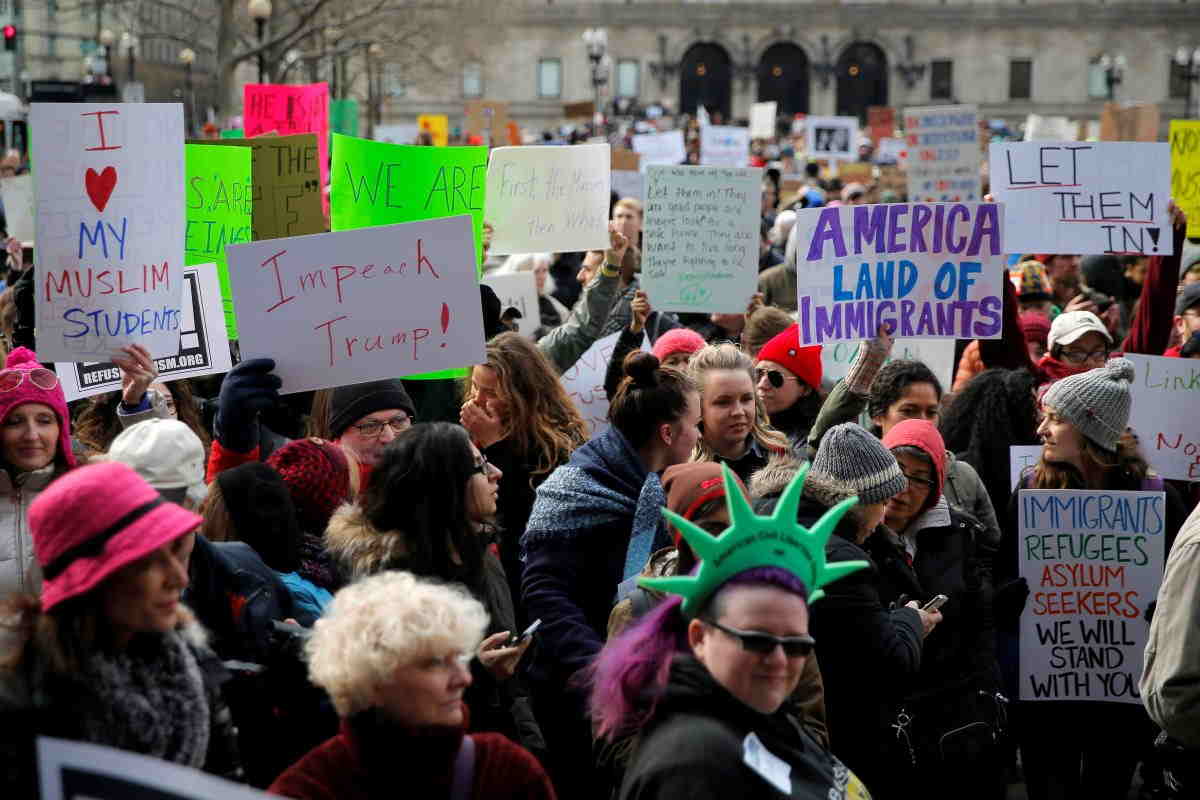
point(100, 186)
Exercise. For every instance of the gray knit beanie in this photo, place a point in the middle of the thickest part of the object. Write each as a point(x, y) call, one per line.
point(854, 458)
point(1096, 402)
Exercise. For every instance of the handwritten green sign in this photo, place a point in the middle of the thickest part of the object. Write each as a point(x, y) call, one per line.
point(218, 192)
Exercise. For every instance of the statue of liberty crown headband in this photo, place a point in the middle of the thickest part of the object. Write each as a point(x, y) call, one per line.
point(753, 541)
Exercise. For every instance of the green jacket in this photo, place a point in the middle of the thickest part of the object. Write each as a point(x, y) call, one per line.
point(566, 343)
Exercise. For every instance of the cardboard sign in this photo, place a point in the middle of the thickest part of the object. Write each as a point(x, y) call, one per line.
point(1101, 197)
point(288, 110)
point(1020, 458)
point(1166, 395)
point(548, 199)
point(724, 146)
point(110, 224)
point(1049, 129)
point(18, 206)
point(855, 172)
point(518, 290)
point(930, 270)
point(353, 306)
point(477, 118)
point(1093, 560)
point(937, 354)
point(701, 237)
point(287, 184)
point(78, 771)
point(762, 120)
point(203, 343)
point(881, 123)
point(397, 134)
point(1185, 171)
point(624, 160)
point(943, 142)
point(834, 138)
point(375, 183)
point(891, 152)
point(1138, 123)
point(437, 126)
point(628, 183)
point(584, 382)
point(219, 211)
point(660, 148)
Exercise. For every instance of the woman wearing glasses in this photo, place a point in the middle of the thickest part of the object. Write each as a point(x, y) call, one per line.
point(788, 379)
point(35, 448)
point(427, 510)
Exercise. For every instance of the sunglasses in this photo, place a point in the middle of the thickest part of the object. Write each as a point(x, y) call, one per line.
point(40, 377)
point(775, 377)
point(764, 643)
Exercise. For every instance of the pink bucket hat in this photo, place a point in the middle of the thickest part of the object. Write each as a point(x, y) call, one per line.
point(94, 520)
point(27, 390)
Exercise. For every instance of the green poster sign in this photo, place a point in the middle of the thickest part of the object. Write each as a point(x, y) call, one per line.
point(343, 117)
point(379, 183)
point(233, 133)
point(218, 193)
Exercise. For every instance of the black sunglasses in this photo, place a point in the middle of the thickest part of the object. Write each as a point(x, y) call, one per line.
point(774, 376)
point(764, 643)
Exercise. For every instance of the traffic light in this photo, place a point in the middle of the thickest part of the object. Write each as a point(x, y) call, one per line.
point(10, 37)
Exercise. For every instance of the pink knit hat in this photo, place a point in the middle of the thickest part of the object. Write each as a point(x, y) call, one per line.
point(94, 520)
point(28, 390)
point(677, 340)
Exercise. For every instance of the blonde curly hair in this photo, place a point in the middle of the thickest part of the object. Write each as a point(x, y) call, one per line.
point(383, 622)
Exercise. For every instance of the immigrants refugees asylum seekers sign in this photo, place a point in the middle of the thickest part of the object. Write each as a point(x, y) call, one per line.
point(1094, 561)
point(930, 270)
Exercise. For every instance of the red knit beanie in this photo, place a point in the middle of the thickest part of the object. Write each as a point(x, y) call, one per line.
point(318, 476)
point(803, 362)
point(1035, 326)
point(677, 340)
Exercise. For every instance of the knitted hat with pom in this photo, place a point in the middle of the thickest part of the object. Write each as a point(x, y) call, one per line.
point(1096, 402)
point(854, 458)
point(30, 390)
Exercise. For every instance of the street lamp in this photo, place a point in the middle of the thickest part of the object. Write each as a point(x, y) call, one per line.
point(1189, 63)
point(107, 38)
point(129, 45)
point(596, 40)
point(1114, 72)
point(187, 56)
point(260, 12)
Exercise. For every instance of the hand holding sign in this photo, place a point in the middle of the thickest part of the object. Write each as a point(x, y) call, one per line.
point(137, 373)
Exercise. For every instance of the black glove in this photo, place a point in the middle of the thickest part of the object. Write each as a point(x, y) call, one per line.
point(249, 388)
point(1009, 602)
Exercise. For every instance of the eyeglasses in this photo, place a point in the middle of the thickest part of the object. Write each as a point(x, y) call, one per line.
point(372, 428)
point(483, 467)
point(913, 479)
point(765, 643)
point(40, 377)
point(774, 376)
point(1082, 357)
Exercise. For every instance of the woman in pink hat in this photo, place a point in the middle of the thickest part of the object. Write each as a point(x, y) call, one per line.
point(107, 654)
point(35, 448)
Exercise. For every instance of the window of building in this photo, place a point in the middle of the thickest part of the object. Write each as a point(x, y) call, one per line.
point(629, 78)
point(549, 77)
point(1097, 85)
point(51, 45)
point(472, 79)
point(941, 80)
point(1020, 79)
point(1177, 83)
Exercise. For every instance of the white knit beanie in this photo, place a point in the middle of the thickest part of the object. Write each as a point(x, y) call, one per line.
point(1096, 402)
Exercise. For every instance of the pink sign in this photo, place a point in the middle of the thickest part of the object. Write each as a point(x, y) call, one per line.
point(288, 109)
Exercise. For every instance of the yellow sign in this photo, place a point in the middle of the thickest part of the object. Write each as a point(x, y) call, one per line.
point(1185, 170)
point(437, 125)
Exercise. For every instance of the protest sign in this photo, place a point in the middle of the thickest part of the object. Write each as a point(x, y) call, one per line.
point(893, 179)
point(233, 133)
point(108, 184)
point(1020, 458)
point(834, 138)
point(660, 148)
point(584, 382)
point(69, 770)
point(437, 126)
point(288, 110)
point(343, 116)
point(1099, 197)
point(219, 211)
point(762, 120)
point(1137, 123)
point(203, 343)
point(724, 146)
point(18, 206)
point(628, 183)
point(1166, 394)
point(548, 199)
point(891, 151)
point(287, 184)
point(931, 270)
point(854, 172)
point(701, 237)
point(881, 123)
point(361, 305)
point(1185, 171)
point(937, 354)
point(943, 142)
point(396, 134)
point(1040, 128)
point(622, 160)
point(375, 183)
point(483, 116)
point(518, 290)
point(1093, 560)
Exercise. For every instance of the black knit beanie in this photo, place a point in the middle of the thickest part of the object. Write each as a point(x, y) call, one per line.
point(263, 516)
point(351, 403)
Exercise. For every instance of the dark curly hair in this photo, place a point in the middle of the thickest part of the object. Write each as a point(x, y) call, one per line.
point(893, 379)
point(995, 410)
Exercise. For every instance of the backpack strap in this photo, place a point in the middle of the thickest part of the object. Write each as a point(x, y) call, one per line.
point(464, 769)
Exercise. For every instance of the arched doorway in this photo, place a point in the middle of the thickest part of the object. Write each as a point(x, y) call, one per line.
point(706, 79)
point(783, 77)
point(862, 80)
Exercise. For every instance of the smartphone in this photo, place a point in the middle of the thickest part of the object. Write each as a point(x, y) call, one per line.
point(935, 603)
point(515, 640)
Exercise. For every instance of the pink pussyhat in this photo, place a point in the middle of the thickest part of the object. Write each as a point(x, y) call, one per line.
point(28, 390)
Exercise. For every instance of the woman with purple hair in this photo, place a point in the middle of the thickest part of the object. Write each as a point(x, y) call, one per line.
point(697, 689)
